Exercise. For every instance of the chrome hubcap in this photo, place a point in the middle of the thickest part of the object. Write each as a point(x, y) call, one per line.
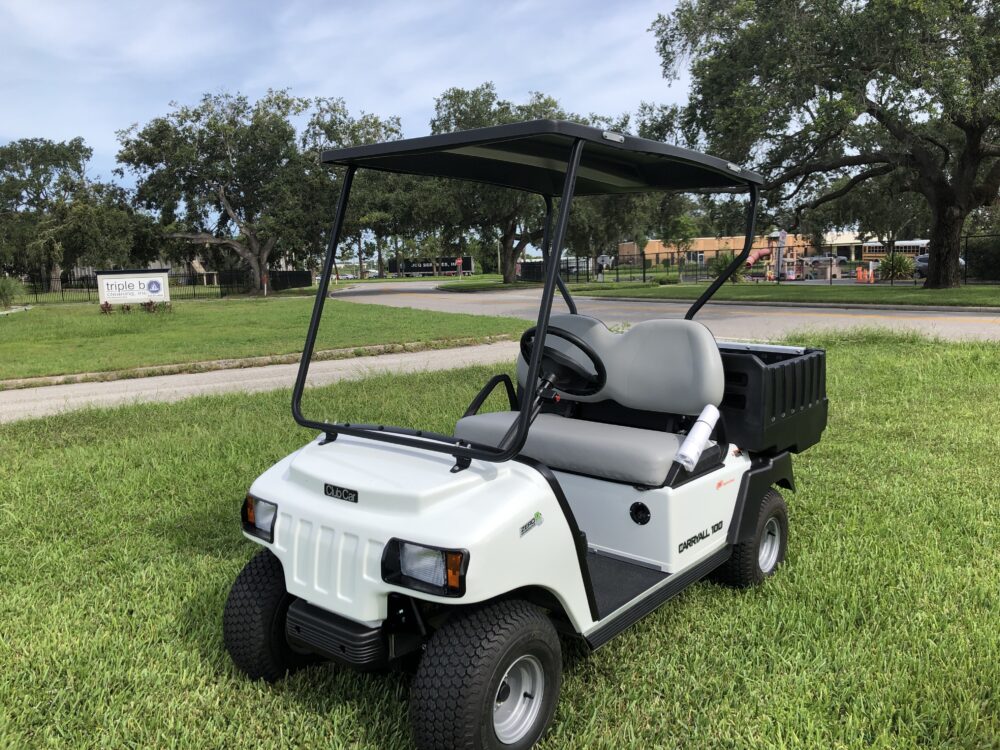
point(518, 700)
point(770, 544)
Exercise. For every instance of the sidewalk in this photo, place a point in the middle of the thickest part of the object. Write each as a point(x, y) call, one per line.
point(28, 403)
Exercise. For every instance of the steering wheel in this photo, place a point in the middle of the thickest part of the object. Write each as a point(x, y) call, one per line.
point(562, 371)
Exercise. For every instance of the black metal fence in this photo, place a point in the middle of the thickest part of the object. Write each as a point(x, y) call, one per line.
point(279, 280)
point(980, 264)
point(74, 287)
point(981, 254)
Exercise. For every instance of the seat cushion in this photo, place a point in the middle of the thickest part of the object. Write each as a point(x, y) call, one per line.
point(622, 454)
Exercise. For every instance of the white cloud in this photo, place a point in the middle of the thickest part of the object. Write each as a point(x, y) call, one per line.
point(90, 68)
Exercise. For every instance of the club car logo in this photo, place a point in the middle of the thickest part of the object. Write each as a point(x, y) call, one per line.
point(536, 520)
point(340, 493)
point(691, 541)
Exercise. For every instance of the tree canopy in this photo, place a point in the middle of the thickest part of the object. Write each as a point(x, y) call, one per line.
point(224, 172)
point(824, 97)
point(53, 217)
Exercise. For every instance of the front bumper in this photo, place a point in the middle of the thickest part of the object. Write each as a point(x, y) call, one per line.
point(310, 629)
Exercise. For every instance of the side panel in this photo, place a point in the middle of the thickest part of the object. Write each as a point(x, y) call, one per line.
point(683, 524)
point(702, 512)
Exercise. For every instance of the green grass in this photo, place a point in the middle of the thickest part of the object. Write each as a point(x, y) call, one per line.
point(484, 285)
point(53, 340)
point(478, 278)
point(121, 540)
point(901, 294)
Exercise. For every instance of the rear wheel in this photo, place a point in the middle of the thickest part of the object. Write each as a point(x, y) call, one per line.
point(755, 559)
point(489, 679)
point(253, 623)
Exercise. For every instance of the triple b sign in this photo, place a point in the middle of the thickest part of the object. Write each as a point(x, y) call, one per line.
point(133, 287)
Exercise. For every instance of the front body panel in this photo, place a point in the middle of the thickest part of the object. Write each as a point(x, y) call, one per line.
point(505, 515)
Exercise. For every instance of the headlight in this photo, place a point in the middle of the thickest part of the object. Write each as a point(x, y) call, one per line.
point(258, 518)
point(423, 568)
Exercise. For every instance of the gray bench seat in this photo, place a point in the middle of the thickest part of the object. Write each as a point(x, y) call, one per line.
point(621, 454)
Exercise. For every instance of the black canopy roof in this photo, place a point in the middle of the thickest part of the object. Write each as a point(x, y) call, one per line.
point(532, 156)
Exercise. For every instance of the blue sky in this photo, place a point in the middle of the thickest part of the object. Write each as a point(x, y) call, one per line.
point(91, 68)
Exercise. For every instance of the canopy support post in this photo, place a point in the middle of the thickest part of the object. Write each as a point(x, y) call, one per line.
point(737, 261)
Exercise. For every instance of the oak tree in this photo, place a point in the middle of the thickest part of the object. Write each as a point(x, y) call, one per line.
point(825, 96)
point(225, 172)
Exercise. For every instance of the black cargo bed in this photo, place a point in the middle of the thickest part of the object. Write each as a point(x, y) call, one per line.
point(775, 396)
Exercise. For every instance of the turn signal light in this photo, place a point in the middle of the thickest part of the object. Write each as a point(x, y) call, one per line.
point(258, 518)
point(453, 568)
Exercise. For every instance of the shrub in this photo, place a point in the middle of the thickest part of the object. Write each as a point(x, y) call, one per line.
point(149, 306)
point(125, 309)
point(718, 265)
point(666, 278)
point(165, 307)
point(896, 266)
point(10, 289)
point(106, 308)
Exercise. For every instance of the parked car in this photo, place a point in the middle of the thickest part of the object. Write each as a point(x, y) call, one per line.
point(920, 265)
point(826, 258)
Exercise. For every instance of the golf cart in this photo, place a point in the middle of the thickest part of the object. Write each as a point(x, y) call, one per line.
point(627, 467)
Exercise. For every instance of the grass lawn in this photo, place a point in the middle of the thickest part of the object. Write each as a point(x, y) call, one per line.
point(478, 278)
point(54, 340)
point(484, 285)
point(121, 539)
point(901, 294)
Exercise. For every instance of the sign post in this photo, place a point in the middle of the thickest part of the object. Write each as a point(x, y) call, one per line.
point(133, 287)
point(458, 267)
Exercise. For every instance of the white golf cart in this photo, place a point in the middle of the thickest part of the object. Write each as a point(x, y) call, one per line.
point(627, 467)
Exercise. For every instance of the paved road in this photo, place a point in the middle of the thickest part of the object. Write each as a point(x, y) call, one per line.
point(725, 321)
point(26, 403)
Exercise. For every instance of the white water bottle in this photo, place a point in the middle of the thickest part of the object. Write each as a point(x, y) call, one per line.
point(697, 438)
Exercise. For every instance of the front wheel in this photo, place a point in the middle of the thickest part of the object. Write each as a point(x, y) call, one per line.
point(489, 679)
point(253, 623)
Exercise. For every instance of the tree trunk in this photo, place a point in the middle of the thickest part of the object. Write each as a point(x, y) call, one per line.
point(55, 278)
point(508, 253)
point(257, 260)
point(256, 276)
point(379, 268)
point(399, 257)
point(508, 259)
point(946, 245)
point(361, 259)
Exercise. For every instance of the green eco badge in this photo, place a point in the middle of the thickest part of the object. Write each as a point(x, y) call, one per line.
point(536, 520)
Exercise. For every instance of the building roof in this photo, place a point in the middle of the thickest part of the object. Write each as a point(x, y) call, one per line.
point(532, 156)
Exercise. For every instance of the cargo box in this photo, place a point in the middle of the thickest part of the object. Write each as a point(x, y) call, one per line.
point(775, 396)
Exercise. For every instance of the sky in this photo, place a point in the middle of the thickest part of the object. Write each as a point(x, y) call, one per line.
point(89, 69)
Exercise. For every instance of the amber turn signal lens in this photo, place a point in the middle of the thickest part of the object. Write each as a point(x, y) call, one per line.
point(453, 569)
point(249, 509)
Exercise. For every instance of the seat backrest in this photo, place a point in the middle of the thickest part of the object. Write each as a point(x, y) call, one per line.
point(671, 366)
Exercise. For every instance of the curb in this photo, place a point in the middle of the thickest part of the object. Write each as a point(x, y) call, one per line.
point(831, 305)
point(190, 368)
